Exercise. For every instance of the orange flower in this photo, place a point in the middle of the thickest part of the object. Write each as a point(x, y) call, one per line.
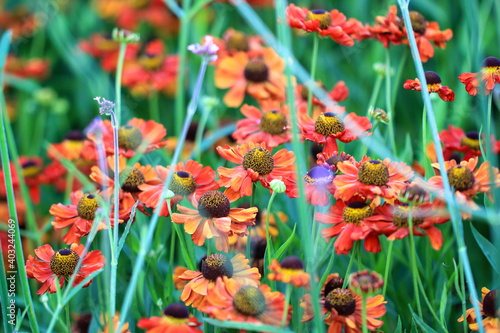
point(256, 164)
point(137, 135)
point(394, 221)
point(215, 267)
point(213, 216)
point(230, 300)
point(191, 180)
point(349, 221)
point(291, 270)
point(455, 139)
point(271, 125)
point(261, 77)
point(386, 29)
point(178, 271)
point(339, 93)
point(318, 20)
point(49, 266)
point(234, 41)
point(130, 177)
point(329, 160)
point(19, 20)
point(489, 74)
point(433, 85)
point(175, 319)
point(466, 180)
point(371, 179)
point(331, 126)
point(32, 172)
point(489, 312)
point(27, 68)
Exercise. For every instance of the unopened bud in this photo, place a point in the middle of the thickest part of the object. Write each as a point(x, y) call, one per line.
point(381, 68)
point(125, 36)
point(169, 195)
point(278, 186)
point(380, 115)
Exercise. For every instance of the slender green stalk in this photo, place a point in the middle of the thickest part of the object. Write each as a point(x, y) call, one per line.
point(360, 265)
point(450, 199)
point(375, 93)
point(268, 236)
point(313, 74)
point(388, 100)
point(348, 271)
point(387, 267)
point(414, 269)
point(68, 322)
point(364, 150)
point(462, 288)
point(425, 161)
point(180, 103)
point(69, 186)
point(201, 128)
point(252, 202)
point(118, 82)
point(288, 294)
point(429, 305)
point(154, 107)
point(39, 131)
point(365, 325)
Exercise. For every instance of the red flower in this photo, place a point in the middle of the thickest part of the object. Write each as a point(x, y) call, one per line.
point(32, 172)
point(290, 270)
point(271, 125)
point(318, 183)
point(433, 86)
point(256, 163)
point(191, 181)
point(175, 319)
point(234, 41)
point(489, 74)
point(455, 139)
point(339, 93)
point(318, 20)
point(386, 29)
point(27, 68)
point(49, 266)
point(329, 160)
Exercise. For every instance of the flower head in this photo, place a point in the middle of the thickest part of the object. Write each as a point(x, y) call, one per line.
point(105, 107)
point(366, 283)
point(51, 267)
point(433, 85)
point(486, 78)
point(290, 270)
point(490, 311)
point(207, 50)
point(175, 318)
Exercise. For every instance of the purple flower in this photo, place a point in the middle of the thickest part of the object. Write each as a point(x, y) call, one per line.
point(207, 50)
point(107, 107)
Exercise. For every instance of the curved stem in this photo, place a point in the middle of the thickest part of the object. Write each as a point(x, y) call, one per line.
point(313, 73)
point(353, 254)
point(374, 95)
point(268, 236)
point(252, 201)
point(154, 110)
point(387, 267)
point(288, 294)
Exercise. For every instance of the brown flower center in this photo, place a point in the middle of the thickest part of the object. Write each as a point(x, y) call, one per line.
point(75, 135)
point(329, 123)
point(214, 204)
point(256, 70)
point(31, 168)
point(334, 283)
point(401, 215)
point(249, 301)
point(151, 61)
point(293, 263)
point(273, 122)
point(373, 172)
point(305, 90)
point(87, 206)
point(471, 140)
point(461, 178)
point(334, 160)
point(176, 310)
point(490, 62)
point(183, 183)
point(324, 17)
point(491, 307)
point(238, 42)
point(356, 211)
point(342, 301)
point(131, 178)
point(129, 137)
point(432, 78)
point(259, 160)
point(63, 262)
point(216, 265)
point(418, 22)
point(319, 176)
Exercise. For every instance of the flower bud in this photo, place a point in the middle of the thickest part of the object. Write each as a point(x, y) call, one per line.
point(125, 36)
point(278, 186)
point(380, 115)
point(169, 195)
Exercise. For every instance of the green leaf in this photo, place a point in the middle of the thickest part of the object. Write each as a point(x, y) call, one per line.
point(285, 245)
point(420, 322)
point(399, 327)
point(245, 326)
point(407, 153)
point(442, 304)
point(489, 250)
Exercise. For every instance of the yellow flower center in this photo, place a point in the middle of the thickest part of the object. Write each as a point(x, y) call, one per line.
point(329, 123)
point(151, 61)
point(342, 301)
point(63, 262)
point(214, 204)
point(249, 301)
point(183, 183)
point(177, 311)
point(324, 17)
point(305, 90)
point(31, 169)
point(129, 137)
point(461, 178)
point(216, 265)
point(356, 211)
point(401, 216)
point(273, 122)
point(259, 160)
point(334, 283)
point(491, 307)
point(318, 176)
point(87, 206)
point(471, 140)
point(238, 42)
point(256, 70)
point(131, 178)
point(373, 172)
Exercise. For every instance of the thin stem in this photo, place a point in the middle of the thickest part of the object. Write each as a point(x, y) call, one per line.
point(154, 108)
point(462, 287)
point(39, 131)
point(425, 162)
point(388, 100)
point(69, 186)
point(351, 260)
point(200, 130)
point(365, 325)
point(118, 82)
point(374, 95)
point(387, 267)
point(268, 236)
point(252, 202)
point(68, 322)
point(414, 269)
point(429, 305)
point(313, 73)
point(180, 102)
point(288, 294)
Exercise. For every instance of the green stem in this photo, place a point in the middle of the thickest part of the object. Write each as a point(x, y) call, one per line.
point(118, 84)
point(429, 305)
point(364, 149)
point(68, 322)
point(414, 269)
point(154, 107)
point(69, 186)
point(374, 95)
point(360, 265)
point(39, 131)
point(425, 159)
point(200, 130)
point(365, 324)
point(268, 236)
point(351, 260)
point(462, 287)
point(288, 294)
point(180, 103)
point(387, 267)
point(388, 100)
point(252, 202)
point(313, 74)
